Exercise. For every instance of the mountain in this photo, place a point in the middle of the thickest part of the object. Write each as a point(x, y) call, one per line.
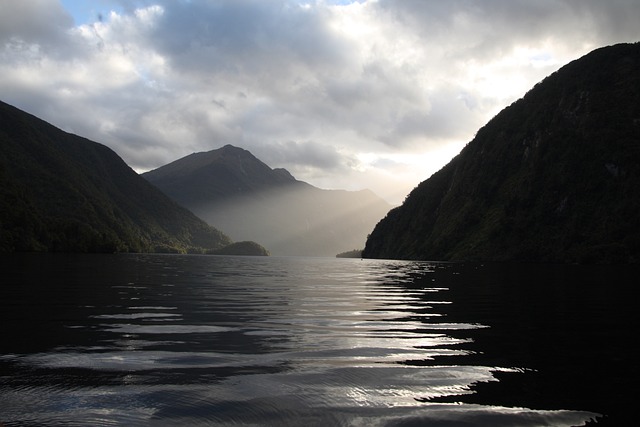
point(200, 178)
point(231, 188)
point(61, 192)
point(552, 178)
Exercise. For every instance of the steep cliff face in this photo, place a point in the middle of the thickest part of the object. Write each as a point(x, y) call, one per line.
point(61, 192)
point(553, 177)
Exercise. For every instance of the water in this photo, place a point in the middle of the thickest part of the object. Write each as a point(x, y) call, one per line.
point(165, 340)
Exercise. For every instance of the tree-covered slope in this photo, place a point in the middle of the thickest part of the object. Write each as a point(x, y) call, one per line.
point(61, 192)
point(554, 177)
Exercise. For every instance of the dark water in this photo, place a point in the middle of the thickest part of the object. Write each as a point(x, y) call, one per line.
point(201, 340)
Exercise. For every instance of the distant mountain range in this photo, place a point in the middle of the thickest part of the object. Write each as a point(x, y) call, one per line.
point(60, 192)
point(554, 177)
point(231, 188)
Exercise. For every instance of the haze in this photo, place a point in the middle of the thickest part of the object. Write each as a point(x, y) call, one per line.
point(343, 94)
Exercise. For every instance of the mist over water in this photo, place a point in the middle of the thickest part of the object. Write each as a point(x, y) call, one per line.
point(206, 340)
point(297, 219)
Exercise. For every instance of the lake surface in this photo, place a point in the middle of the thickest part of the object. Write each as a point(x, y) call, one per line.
point(166, 340)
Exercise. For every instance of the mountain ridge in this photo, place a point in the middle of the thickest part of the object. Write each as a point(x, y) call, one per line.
point(64, 193)
point(233, 189)
point(200, 177)
point(551, 178)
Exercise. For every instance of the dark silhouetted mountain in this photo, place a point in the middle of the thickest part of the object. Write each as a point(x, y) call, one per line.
point(200, 178)
point(355, 253)
point(61, 192)
point(247, 248)
point(231, 188)
point(554, 177)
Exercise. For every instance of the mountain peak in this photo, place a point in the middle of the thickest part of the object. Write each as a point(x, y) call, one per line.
point(233, 149)
point(225, 172)
point(284, 173)
point(232, 152)
point(232, 189)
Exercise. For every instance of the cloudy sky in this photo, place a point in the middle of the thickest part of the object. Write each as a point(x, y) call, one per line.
point(345, 94)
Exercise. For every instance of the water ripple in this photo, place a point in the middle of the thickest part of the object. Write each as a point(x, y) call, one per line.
point(223, 341)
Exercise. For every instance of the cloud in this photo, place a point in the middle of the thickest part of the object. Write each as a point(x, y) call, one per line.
point(245, 36)
point(41, 21)
point(308, 154)
point(494, 27)
point(322, 88)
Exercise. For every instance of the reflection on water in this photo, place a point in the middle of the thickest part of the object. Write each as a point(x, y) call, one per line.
point(177, 340)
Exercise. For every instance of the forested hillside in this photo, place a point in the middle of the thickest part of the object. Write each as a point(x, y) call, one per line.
point(553, 177)
point(61, 192)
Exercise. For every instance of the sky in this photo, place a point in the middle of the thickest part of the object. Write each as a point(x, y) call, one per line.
point(376, 94)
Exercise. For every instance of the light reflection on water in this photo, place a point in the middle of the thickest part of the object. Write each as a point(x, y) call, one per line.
point(176, 340)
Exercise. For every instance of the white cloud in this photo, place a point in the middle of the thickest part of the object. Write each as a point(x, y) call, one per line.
point(375, 94)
